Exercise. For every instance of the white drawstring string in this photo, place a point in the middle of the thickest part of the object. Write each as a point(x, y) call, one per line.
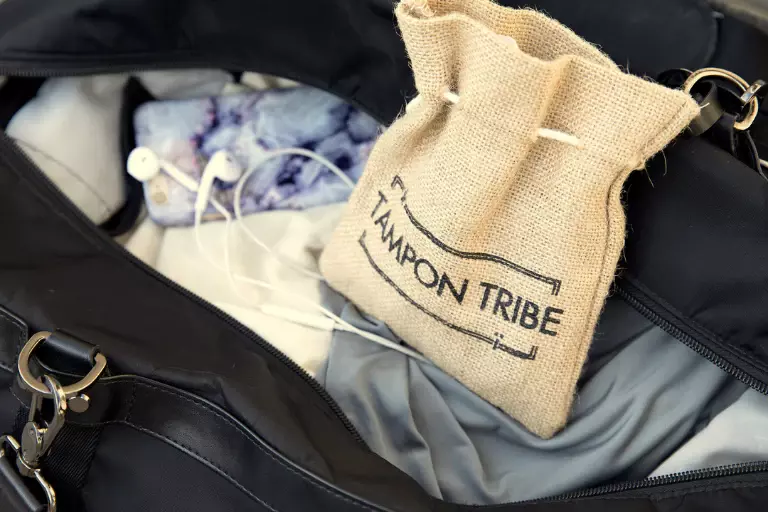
point(566, 138)
point(545, 133)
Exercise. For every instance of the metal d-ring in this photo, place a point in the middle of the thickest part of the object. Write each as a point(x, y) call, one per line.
point(745, 123)
point(34, 384)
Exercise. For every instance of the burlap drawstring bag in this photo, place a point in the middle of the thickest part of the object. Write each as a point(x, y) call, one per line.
point(487, 226)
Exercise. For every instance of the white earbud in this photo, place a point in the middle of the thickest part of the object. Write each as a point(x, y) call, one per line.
point(144, 164)
point(223, 166)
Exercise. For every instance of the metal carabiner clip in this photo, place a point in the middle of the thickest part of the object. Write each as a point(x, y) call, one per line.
point(37, 438)
point(38, 434)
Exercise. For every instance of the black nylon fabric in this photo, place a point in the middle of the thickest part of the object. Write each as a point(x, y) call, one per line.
point(14, 94)
point(69, 275)
point(348, 47)
point(698, 249)
point(57, 271)
point(170, 483)
point(129, 449)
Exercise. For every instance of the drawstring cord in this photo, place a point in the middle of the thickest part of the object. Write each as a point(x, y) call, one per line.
point(545, 133)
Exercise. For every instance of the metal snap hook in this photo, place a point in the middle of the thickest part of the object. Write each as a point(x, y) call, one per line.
point(37, 436)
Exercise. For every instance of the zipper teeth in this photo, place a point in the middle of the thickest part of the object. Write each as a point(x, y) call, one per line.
point(693, 344)
point(55, 69)
point(687, 476)
point(15, 152)
point(675, 478)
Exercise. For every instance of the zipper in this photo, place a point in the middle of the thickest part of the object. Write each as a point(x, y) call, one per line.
point(691, 342)
point(68, 69)
point(11, 151)
point(671, 479)
point(62, 67)
point(686, 476)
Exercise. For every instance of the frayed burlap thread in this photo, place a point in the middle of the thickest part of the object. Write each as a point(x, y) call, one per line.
point(485, 246)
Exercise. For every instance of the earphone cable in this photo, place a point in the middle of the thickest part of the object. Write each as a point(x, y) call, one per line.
point(244, 179)
point(339, 323)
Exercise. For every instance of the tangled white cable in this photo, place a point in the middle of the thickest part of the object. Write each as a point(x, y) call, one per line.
point(143, 164)
point(329, 321)
point(545, 133)
point(244, 179)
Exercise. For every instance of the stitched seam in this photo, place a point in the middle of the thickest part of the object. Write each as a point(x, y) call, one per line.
point(256, 444)
point(706, 488)
point(175, 442)
point(237, 429)
point(19, 344)
point(22, 329)
point(26, 406)
point(204, 406)
point(702, 488)
point(693, 489)
point(131, 402)
point(20, 339)
point(596, 301)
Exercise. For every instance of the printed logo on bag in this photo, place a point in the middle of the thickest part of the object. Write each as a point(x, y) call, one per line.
point(410, 243)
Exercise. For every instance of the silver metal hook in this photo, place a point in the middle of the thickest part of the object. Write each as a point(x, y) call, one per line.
point(39, 433)
point(36, 440)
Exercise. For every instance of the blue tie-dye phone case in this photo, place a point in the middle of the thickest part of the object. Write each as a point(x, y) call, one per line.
point(187, 132)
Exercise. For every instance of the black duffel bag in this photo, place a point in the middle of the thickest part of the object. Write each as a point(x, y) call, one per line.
point(186, 409)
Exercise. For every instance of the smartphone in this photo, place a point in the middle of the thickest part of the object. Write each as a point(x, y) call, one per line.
point(187, 132)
